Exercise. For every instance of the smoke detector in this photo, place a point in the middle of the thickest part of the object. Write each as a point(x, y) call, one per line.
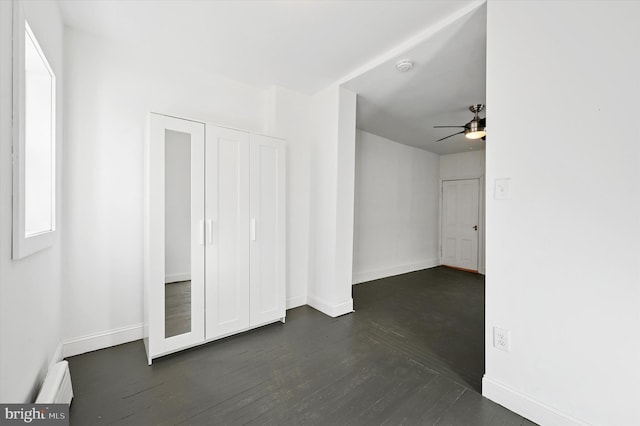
point(404, 65)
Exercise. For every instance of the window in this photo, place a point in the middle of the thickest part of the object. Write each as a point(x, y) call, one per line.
point(34, 150)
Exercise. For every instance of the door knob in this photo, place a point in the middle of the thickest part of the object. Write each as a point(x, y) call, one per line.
point(475, 227)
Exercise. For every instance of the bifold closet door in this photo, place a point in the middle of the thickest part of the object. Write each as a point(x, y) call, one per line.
point(227, 253)
point(267, 229)
point(174, 255)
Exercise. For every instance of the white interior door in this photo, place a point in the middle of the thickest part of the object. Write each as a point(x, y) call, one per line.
point(227, 211)
point(267, 229)
point(175, 221)
point(460, 220)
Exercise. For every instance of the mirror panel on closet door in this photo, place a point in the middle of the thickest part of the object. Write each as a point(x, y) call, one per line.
point(177, 236)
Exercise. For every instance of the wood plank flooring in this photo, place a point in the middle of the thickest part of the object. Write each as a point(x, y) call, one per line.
point(411, 354)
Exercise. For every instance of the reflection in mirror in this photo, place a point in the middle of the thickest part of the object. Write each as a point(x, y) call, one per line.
point(177, 231)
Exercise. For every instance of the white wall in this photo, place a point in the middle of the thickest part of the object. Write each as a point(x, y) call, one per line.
point(288, 118)
point(563, 252)
point(331, 189)
point(469, 165)
point(106, 107)
point(30, 288)
point(177, 189)
point(464, 165)
point(396, 208)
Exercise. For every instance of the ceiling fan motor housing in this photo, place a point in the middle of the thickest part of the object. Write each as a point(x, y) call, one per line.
point(476, 108)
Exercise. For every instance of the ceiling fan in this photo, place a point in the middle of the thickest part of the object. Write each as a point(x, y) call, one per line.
point(475, 129)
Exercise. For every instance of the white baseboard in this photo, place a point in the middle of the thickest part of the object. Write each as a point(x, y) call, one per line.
point(364, 276)
point(525, 405)
point(55, 358)
point(294, 302)
point(57, 355)
point(174, 278)
point(330, 309)
point(93, 342)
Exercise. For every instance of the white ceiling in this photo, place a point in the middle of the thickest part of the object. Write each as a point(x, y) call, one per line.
point(307, 45)
point(448, 76)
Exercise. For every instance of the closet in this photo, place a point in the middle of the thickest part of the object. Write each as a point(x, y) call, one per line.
point(214, 233)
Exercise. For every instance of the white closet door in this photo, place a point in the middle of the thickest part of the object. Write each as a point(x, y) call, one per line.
point(227, 211)
point(174, 254)
point(267, 226)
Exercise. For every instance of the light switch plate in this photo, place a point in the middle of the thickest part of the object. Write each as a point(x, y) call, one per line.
point(502, 189)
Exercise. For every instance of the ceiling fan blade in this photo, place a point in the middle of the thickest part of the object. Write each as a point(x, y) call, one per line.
point(438, 127)
point(447, 137)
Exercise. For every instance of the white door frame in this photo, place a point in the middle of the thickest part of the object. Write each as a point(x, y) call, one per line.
point(481, 217)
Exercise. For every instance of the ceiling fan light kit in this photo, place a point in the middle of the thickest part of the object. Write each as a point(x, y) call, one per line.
point(475, 129)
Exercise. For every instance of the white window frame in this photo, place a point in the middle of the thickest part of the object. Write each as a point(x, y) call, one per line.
point(24, 246)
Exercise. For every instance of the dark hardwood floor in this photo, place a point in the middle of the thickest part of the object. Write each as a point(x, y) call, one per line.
point(411, 354)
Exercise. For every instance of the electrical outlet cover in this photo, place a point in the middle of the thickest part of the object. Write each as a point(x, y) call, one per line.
point(501, 339)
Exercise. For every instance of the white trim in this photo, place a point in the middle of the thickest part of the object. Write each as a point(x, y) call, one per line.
point(330, 309)
point(294, 302)
point(176, 278)
point(364, 276)
point(23, 245)
point(525, 405)
point(462, 177)
point(105, 339)
point(57, 356)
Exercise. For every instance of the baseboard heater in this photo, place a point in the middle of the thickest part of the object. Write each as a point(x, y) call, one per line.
point(56, 388)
